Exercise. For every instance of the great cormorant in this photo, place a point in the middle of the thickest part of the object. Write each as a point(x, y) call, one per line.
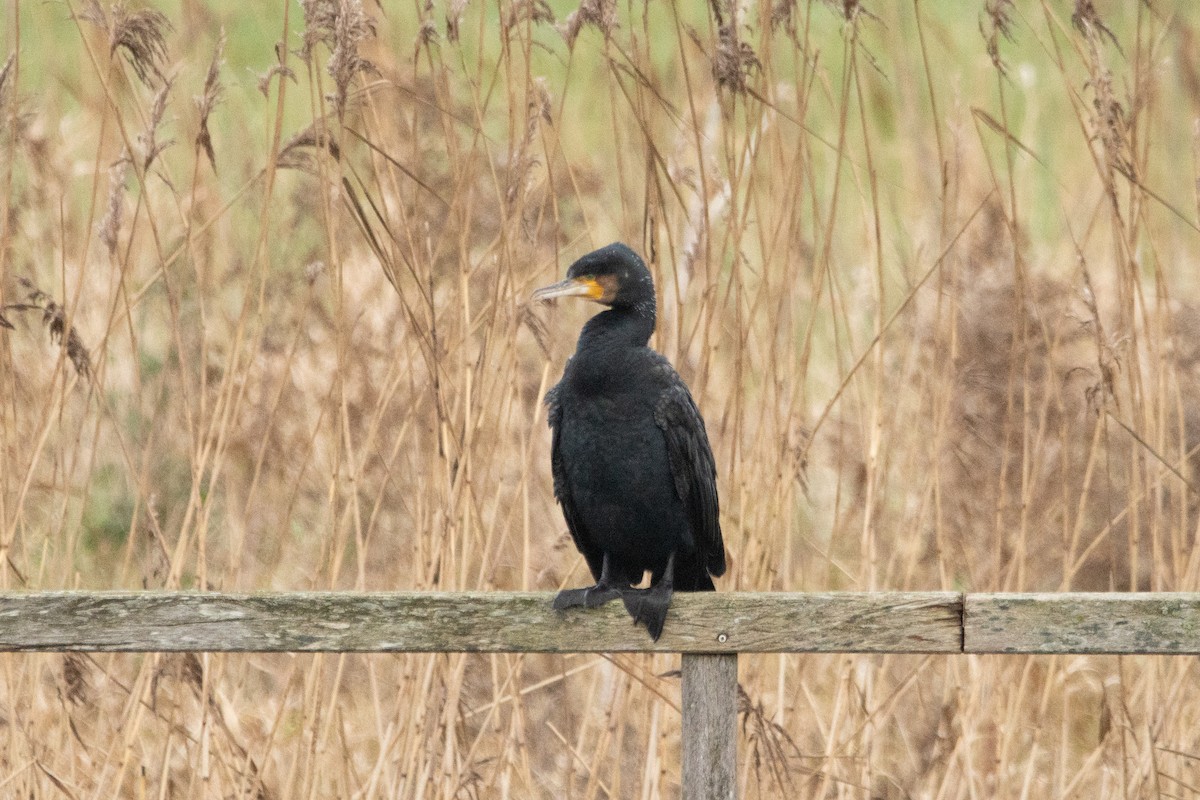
point(633, 470)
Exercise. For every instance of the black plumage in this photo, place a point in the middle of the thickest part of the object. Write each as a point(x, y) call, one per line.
point(633, 470)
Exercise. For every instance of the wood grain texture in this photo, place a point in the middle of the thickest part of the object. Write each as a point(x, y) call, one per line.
point(867, 622)
point(1161, 622)
point(709, 769)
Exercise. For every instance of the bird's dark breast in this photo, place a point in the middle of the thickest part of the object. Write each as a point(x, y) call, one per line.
point(620, 479)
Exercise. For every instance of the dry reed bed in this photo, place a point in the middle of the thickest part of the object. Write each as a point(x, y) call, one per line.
point(928, 274)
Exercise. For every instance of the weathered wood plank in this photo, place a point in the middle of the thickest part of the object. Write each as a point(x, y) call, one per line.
point(709, 726)
point(891, 622)
point(1083, 622)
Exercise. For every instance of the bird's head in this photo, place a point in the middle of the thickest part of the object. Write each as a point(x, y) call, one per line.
point(613, 276)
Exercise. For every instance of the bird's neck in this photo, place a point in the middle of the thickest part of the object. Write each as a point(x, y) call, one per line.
point(607, 349)
point(628, 326)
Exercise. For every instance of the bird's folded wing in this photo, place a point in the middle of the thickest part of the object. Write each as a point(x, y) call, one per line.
point(562, 490)
point(694, 471)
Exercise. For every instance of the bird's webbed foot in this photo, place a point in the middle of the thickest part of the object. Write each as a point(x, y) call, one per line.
point(605, 590)
point(588, 597)
point(570, 598)
point(649, 606)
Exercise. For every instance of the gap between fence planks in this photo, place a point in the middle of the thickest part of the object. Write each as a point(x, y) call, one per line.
point(729, 622)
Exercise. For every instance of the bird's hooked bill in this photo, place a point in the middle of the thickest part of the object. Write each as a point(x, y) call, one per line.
point(571, 287)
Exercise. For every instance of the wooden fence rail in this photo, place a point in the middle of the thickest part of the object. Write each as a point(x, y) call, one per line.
point(709, 629)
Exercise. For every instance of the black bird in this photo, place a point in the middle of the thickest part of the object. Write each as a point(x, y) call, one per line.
point(633, 470)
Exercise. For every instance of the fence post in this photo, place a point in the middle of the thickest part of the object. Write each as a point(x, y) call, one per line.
point(709, 726)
